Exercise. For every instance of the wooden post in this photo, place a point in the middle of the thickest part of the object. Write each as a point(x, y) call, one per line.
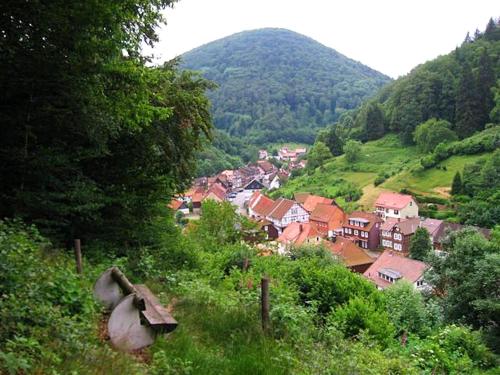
point(266, 324)
point(78, 257)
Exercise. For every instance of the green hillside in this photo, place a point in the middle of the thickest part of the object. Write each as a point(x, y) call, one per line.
point(461, 87)
point(277, 86)
point(399, 164)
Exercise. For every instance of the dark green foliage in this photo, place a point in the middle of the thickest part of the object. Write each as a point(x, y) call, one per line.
point(481, 182)
point(329, 137)
point(456, 88)
point(433, 132)
point(371, 121)
point(317, 155)
point(277, 86)
point(91, 138)
point(468, 278)
point(467, 113)
point(420, 244)
point(456, 185)
point(352, 150)
point(406, 309)
point(47, 317)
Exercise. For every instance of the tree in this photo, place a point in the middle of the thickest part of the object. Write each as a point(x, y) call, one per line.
point(467, 278)
point(420, 244)
point(485, 82)
point(318, 154)
point(92, 139)
point(433, 132)
point(374, 122)
point(352, 150)
point(406, 308)
point(467, 116)
point(456, 186)
point(332, 140)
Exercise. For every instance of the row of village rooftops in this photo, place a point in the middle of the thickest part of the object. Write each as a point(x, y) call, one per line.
point(284, 154)
point(375, 243)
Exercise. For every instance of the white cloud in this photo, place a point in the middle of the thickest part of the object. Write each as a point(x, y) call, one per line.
point(388, 35)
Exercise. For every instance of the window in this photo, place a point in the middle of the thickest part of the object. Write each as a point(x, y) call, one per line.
point(355, 232)
point(397, 236)
point(420, 283)
point(397, 246)
point(386, 243)
point(411, 203)
point(396, 212)
point(387, 210)
point(364, 244)
point(294, 211)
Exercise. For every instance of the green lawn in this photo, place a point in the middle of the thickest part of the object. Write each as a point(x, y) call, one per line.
point(432, 181)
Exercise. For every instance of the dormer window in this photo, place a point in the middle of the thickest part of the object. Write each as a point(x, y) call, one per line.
point(389, 274)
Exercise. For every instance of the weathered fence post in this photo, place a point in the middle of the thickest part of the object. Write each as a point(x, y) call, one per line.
point(78, 256)
point(264, 286)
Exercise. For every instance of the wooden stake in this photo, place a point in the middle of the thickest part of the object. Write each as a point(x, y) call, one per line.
point(78, 257)
point(266, 322)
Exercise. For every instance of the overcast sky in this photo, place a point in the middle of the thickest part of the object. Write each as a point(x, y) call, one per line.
point(392, 36)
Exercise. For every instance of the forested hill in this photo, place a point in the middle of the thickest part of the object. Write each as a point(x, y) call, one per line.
point(277, 85)
point(461, 88)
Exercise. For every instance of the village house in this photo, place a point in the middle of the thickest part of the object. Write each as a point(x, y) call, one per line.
point(395, 234)
point(298, 234)
point(446, 228)
point(263, 155)
point(328, 219)
point(433, 227)
point(254, 185)
point(290, 155)
point(217, 192)
point(259, 205)
point(178, 205)
point(266, 167)
point(395, 205)
point(284, 212)
point(363, 228)
point(278, 179)
point(270, 230)
point(351, 255)
point(391, 267)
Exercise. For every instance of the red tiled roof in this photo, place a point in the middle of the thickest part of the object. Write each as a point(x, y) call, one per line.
point(266, 165)
point(313, 200)
point(298, 233)
point(175, 204)
point(409, 269)
point(216, 190)
point(280, 207)
point(332, 215)
point(301, 197)
point(198, 195)
point(372, 219)
point(389, 224)
point(260, 203)
point(393, 200)
point(432, 226)
point(351, 254)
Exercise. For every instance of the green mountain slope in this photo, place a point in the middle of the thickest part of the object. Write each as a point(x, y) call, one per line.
point(277, 85)
point(458, 87)
point(400, 166)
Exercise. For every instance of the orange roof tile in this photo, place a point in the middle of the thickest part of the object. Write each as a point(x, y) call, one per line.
point(334, 216)
point(351, 254)
point(313, 200)
point(370, 217)
point(280, 207)
point(175, 204)
point(301, 197)
point(298, 233)
point(260, 204)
